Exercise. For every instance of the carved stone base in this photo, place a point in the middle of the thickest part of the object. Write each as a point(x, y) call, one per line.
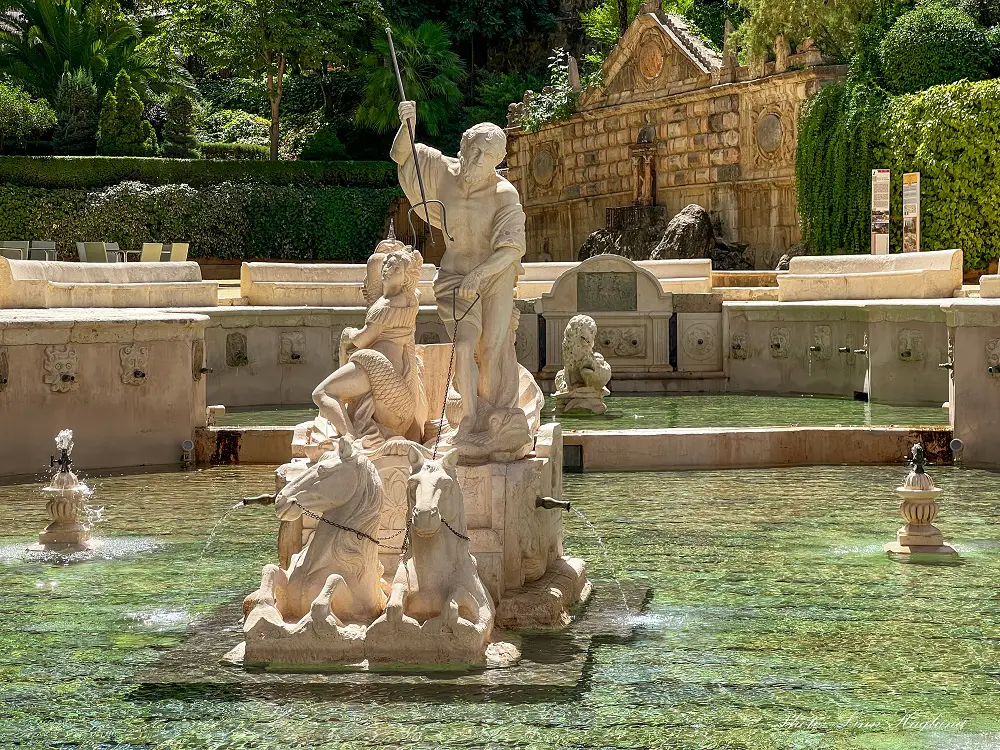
point(902, 551)
point(545, 603)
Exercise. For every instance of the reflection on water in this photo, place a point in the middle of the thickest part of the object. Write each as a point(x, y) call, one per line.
point(771, 620)
point(662, 411)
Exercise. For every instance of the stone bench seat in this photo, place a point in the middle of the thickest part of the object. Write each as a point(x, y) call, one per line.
point(929, 275)
point(39, 284)
point(318, 284)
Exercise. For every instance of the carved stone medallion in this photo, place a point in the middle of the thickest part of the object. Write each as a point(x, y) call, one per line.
point(911, 345)
point(236, 350)
point(543, 166)
point(622, 342)
point(769, 133)
point(651, 58)
point(993, 353)
point(739, 346)
point(291, 348)
point(61, 365)
point(779, 342)
point(699, 341)
point(197, 359)
point(134, 364)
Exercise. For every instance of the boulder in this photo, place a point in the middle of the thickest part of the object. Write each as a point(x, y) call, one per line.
point(688, 235)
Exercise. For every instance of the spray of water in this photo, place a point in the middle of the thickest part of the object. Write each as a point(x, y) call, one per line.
point(604, 552)
point(218, 525)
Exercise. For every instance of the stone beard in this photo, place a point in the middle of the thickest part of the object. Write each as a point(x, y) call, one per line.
point(484, 215)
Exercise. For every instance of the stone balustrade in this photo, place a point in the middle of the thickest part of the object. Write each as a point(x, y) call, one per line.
point(314, 284)
point(930, 275)
point(40, 284)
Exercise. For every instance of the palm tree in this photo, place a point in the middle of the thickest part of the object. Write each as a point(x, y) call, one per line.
point(41, 39)
point(431, 73)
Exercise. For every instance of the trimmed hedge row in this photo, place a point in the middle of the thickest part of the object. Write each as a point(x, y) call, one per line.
point(950, 134)
point(88, 172)
point(234, 151)
point(228, 220)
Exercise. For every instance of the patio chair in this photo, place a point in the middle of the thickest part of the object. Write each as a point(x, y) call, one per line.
point(115, 255)
point(14, 249)
point(42, 250)
point(92, 252)
point(152, 252)
point(178, 252)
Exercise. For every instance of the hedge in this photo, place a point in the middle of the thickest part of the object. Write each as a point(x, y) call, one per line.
point(234, 151)
point(88, 172)
point(228, 220)
point(950, 134)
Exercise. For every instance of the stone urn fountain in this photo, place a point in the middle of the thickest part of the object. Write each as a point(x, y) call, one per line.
point(919, 507)
point(67, 497)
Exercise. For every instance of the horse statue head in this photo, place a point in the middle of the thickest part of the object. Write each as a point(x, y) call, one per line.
point(434, 495)
point(337, 477)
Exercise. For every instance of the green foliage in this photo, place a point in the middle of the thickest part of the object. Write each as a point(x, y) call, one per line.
point(496, 91)
point(430, 71)
point(951, 135)
point(245, 94)
point(984, 12)
point(557, 101)
point(121, 129)
point(227, 220)
point(839, 137)
point(324, 145)
point(179, 140)
point(235, 126)
point(711, 17)
point(41, 39)
point(933, 44)
point(234, 151)
point(993, 39)
point(89, 172)
point(486, 22)
point(21, 117)
point(77, 107)
point(832, 23)
point(601, 22)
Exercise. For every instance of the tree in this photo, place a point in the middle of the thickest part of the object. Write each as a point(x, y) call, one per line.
point(431, 75)
point(179, 139)
point(41, 39)
point(22, 118)
point(267, 36)
point(77, 107)
point(122, 131)
point(832, 23)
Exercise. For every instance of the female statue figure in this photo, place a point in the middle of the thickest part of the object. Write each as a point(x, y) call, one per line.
point(376, 392)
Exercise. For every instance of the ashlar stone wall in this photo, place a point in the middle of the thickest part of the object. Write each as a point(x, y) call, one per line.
point(676, 123)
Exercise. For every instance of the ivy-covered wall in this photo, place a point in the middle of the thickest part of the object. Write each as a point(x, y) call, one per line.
point(949, 133)
point(279, 210)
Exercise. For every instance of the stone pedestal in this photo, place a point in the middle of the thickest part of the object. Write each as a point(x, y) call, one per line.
point(919, 538)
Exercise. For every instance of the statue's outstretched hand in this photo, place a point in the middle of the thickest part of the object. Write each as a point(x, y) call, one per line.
point(408, 111)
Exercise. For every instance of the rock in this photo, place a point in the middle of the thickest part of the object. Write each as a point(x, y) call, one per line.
point(688, 235)
point(635, 242)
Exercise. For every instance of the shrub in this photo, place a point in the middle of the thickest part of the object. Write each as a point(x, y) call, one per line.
point(323, 145)
point(951, 135)
point(179, 140)
point(99, 171)
point(931, 45)
point(557, 101)
point(122, 131)
point(21, 117)
point(234, 126)
point(234, 151)
point(76, 108)
point(227, 220)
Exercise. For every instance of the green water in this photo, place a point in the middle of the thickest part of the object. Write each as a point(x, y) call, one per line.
point(702, 410)
point(769, 619)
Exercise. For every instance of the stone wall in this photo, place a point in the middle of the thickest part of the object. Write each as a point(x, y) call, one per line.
point(673, 116)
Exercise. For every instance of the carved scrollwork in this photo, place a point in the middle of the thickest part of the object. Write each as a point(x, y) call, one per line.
point(236, 350)
point(779, 342)
point(700, 341)
point(823, 341)
point(4, 369)
point(291, 348)
point(739, 346)
point(197, 359)
point(910, 345)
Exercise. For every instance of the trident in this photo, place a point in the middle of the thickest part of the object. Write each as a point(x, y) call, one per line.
point(416, 163)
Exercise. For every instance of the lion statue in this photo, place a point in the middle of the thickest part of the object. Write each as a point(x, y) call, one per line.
point(582, 383)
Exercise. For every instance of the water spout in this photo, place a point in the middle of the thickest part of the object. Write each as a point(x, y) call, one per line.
point(66, 533)
point(550, 503)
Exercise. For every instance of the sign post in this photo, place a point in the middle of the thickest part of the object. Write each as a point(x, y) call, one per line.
point(911, 212)
point(880, 212)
